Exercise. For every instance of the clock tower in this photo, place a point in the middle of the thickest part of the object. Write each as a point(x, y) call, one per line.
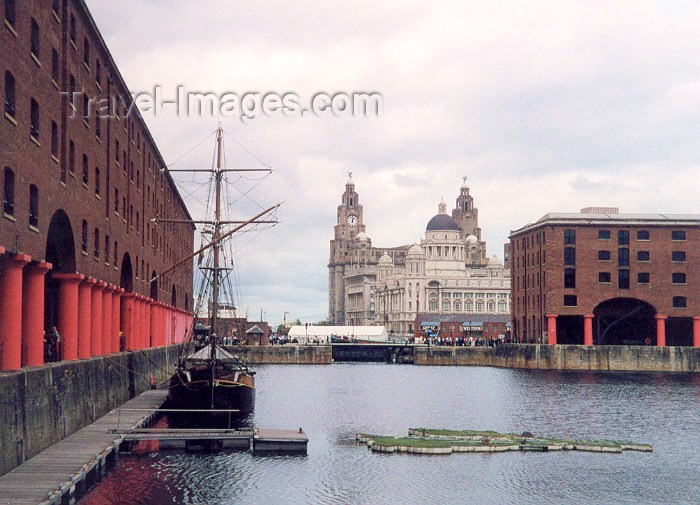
point(348, 224)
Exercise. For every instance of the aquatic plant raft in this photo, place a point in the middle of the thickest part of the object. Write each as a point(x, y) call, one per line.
point(438, 441)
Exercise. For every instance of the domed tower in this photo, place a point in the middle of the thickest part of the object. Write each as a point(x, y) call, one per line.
point(386, 265)
point(415, 261)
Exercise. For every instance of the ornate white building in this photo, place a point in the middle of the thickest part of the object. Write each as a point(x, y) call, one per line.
point(448, 273)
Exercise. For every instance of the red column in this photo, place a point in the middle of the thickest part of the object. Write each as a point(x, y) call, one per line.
point(85, 317)
point(552, 329)
point(33, 314)
point(11, 311)
point(154, 324)
point(96, 322)
point(588, 329)
point(661, 330)
point(67, 324)
point(107, 319)
point(142, 323)
point(696, 332)
point(116, 306)
point(127, 316)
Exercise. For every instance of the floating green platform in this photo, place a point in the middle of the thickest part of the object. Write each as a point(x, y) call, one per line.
point(438, 441)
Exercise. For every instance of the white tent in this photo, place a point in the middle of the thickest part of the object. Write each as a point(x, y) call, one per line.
point(306, 334)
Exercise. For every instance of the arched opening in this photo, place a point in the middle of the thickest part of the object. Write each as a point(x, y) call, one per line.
point(173, 296)
point(60, 252)
point(126, 278)
point(624, 321)
point(154, 286)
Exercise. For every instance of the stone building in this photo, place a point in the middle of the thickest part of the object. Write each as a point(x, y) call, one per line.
point(447, 273)
point(601, 277)
point(80, 186)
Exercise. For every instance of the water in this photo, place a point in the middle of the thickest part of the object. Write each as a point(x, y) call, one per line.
point(333, 403)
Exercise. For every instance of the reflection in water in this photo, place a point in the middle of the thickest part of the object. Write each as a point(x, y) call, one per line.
point(332, 403)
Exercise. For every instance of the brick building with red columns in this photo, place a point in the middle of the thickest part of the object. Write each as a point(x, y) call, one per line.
point(601, 277)
point(79, 189)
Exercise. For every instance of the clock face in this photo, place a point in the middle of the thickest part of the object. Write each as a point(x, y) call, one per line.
point(352, 220)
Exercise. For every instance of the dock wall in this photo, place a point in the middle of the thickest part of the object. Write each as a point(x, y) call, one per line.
point(566, 357)
point(285, 354)
point(40, 406)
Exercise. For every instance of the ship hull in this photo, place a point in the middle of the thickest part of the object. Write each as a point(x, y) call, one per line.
point(192, 390)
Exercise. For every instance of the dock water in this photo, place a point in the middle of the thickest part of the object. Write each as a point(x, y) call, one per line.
point(66, 470)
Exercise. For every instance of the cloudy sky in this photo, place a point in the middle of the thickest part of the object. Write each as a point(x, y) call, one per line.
point(545, 106)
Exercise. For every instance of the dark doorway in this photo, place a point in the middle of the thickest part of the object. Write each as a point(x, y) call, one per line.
point(126, 279)
point(624, 321)
point(187, 301)
point(679, 331)
point(570, 330)
point(60, 252)
point(174, 297)
point(154, 286)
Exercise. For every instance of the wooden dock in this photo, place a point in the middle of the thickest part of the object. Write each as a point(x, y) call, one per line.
point(70, 467)
point(66, 470)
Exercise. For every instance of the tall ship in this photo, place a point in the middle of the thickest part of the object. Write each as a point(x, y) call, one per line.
point(212, 385)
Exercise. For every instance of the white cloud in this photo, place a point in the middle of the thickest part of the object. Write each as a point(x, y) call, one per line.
point(546, 106)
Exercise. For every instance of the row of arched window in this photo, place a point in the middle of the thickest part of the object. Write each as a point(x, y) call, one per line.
point(467, 306)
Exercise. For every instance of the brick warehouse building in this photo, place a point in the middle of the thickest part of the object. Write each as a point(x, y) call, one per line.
point(600, 277)
point(77, 246)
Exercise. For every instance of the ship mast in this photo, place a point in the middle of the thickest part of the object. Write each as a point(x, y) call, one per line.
point(217, 235)
point(217, 248)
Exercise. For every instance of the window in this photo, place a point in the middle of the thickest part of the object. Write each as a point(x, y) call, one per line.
point(569, 255)
point(603, 234)
point(642, 255)
point(604, 255)
point(678, 256)
point(679, 302)
point(97, 181)
point(72, 28)
point(34, 39)
point(9, 94)
point(54, 139)
point(115, 253)
point(34, 120)
point(54, 65)
point(623, 257)
point(570, 301)
point(33, 206)
point(98, 71)
point(97, 243)
point(678, 235)
point(643, 278)
point(10, 11)
point(643, 235)
point(71, 157)
point(116, 201)
point(569, 277)
point(86, 51)
point(116, 152)
point(86, 107)
point(623, 279)
point(623, 237)
point(106, 248)
point(84, 243)
point(604, 277)
point(569, 236)
point(86, 176)
point(98, 125)
point(678, 278)
point(8, 201)
point(55, 7)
